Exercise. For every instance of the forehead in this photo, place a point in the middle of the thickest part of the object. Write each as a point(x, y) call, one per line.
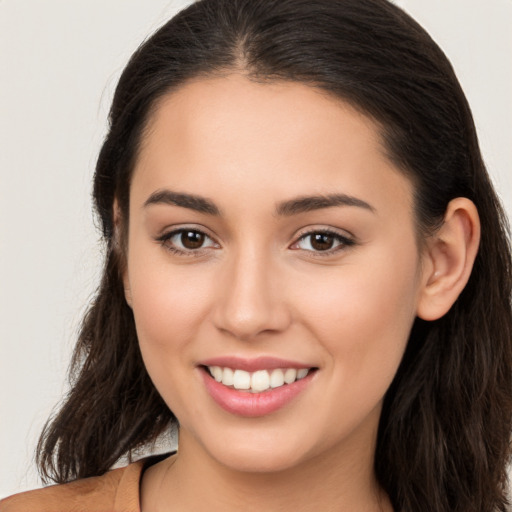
point(279, 139)
point(210, 110)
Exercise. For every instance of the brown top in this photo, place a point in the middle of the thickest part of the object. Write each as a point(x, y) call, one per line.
point(115, 491)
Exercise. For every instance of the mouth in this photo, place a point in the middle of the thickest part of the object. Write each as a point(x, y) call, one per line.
point(258, 381)
point(255, 388)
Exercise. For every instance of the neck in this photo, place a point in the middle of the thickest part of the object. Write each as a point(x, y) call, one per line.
point(192, 480)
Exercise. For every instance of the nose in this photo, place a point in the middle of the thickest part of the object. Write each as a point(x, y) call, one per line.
point(251, 299)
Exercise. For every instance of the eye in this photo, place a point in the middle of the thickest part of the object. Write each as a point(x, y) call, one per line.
point(323, 241)
point(186, 241)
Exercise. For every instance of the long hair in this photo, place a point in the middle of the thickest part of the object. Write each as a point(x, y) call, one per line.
point(443, 440)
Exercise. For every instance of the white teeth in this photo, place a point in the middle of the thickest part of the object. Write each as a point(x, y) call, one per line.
point(302, 373)
point(227, 377)
point(258, 381)
point(217, 373)
point(276, 378)
point(241, 379)
point(290, 375)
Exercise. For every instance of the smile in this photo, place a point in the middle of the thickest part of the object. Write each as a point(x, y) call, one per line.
point(255, 387)
point(258, 381)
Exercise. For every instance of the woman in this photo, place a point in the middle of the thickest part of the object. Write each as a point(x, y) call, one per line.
point(307, 270)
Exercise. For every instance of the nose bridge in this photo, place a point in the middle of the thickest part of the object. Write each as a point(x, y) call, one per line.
point(252, 301)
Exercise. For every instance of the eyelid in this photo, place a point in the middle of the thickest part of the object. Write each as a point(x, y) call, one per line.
point(165, 238)
point(345, 240)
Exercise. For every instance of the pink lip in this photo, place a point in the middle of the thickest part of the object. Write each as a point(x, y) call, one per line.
point(253, 365)
point(243, 403)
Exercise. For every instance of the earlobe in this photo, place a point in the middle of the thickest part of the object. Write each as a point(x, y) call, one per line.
point(127, 293)
point(450, 256)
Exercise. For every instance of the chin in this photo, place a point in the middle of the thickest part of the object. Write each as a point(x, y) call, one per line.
point(252, 452)
point(257, 460)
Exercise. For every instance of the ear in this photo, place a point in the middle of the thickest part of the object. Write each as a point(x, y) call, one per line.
point(118, 247)
point(449, 259)
point(127, 290)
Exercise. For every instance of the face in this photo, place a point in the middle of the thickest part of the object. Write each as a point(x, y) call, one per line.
point(272, 270)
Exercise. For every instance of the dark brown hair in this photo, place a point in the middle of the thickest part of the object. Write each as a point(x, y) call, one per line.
point(443, 441)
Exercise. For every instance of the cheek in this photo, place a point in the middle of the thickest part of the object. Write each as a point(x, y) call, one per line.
point(167, 301)
point(362, 318)
point(168, 305)
point(363, 314)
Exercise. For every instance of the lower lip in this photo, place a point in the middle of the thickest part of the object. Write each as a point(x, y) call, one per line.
point(251, 405)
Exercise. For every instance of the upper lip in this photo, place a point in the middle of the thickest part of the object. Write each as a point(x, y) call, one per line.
point(254, 364)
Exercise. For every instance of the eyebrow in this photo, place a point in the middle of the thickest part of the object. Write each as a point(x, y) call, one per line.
point(190, 201)
point(285, 209)
point(318, 202)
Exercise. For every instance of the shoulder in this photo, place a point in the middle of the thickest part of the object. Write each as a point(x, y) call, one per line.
point(117, 490)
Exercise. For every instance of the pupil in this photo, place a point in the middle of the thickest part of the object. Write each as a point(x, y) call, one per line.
point(322, 241)
point(192, 239)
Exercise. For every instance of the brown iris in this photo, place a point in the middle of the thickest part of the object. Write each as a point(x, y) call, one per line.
point(322, 241)
point(192, 239)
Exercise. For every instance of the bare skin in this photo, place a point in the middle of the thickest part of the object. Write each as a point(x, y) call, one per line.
point(170, 486)
point(256, 282)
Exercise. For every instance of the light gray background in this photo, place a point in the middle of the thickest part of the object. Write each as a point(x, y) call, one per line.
point(59, 62)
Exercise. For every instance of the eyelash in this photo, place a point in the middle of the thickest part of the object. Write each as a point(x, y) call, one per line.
point(343, 242)
point(166, 237)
